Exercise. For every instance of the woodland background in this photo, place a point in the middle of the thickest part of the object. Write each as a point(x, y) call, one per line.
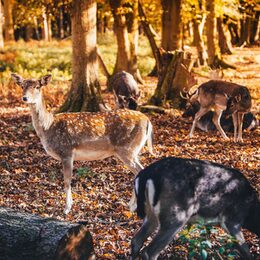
point(221, 39)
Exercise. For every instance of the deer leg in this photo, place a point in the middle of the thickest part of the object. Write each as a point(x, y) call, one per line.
point(240, 117)
point(165, 235)
point(199, 114)
point(235, 230)
point(149, 225)
point(216, 121)
point(131, 162)
point(67, 174)
point(235, 121)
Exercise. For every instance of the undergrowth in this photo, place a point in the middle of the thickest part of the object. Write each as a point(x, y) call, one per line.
point(36, 58)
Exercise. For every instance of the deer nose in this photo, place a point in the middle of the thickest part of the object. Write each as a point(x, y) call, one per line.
point(25, 99)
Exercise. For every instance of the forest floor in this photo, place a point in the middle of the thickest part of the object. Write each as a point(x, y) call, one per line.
point(31, 181)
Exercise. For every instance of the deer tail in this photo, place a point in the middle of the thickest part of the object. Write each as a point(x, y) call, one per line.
point(150, 138)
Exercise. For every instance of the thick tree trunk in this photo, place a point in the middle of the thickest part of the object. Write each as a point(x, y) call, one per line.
point(1, 27)
point(176, 76)
point(198, 41)
point(126, 29)
point(133, 34)
point(85, 93)
point(171, 25)
point(26, 236)
point(123, 45)
point(212, 47)
point(222, 39)
point(9, 25)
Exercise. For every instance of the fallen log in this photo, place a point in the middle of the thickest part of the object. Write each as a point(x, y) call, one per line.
point(28, 236)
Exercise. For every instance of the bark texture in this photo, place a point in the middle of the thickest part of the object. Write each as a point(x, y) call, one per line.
point(222, 38)
point(212, 47)
point(1, 27)
point(85, 93)
point(9, 25)
point(171, 25)
point(126, 30)
point(175, 77)
point(26, 236)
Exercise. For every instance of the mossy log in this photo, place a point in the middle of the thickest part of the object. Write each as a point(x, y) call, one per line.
point(28, 236)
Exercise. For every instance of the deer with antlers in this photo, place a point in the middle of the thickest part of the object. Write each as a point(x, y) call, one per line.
point(221, 95)
point(85, 136)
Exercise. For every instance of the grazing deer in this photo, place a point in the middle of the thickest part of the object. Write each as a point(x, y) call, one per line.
point(221, 95)
point(174, 191)
point(85, 136)
point(125, 89)
point(205, 123)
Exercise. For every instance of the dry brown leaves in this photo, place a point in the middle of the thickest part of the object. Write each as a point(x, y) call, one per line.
point(32, 181)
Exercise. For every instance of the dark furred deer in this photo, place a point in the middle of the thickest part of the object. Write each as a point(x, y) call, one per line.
point(125, 89)
point(86, 136)
point(206, 124)
point(174, 191)
point(221, 95)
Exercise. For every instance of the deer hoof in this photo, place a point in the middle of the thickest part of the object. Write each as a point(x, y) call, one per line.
point(67, 210)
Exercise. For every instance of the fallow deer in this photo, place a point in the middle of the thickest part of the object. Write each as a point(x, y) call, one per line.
point(125, 89)
point(221, 95)
point(175, 191)
point(85, 136)
point(205, 123)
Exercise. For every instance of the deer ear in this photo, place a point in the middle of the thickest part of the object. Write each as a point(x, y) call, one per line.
point(238, 98)
point(123, 98)
point(17, 79)
point(45, 80)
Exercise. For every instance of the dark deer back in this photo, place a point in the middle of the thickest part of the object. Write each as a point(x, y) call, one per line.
point(125, 90)
point(174, 191)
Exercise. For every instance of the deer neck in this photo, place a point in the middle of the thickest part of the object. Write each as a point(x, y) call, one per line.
point(42, 119)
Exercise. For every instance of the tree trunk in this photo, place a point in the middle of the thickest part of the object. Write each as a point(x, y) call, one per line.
point(28, 32)
point(26, 236)
point(126, 29)
point(149, 34)
point(212, 47)
point(176, 76)
point(9, 25)
point(1, 28)
point(254, 27)
point(233, 29)
point(61, 27)
point(123, 45)
point(85, 94)
point(171, 25)
point(49, 28)
point(198, 41)
point(133, 34)
point(222, 39)
point(45, 31)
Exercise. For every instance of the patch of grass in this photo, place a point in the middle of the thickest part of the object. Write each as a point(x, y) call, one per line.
point(36, 58)
point(84, 172)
